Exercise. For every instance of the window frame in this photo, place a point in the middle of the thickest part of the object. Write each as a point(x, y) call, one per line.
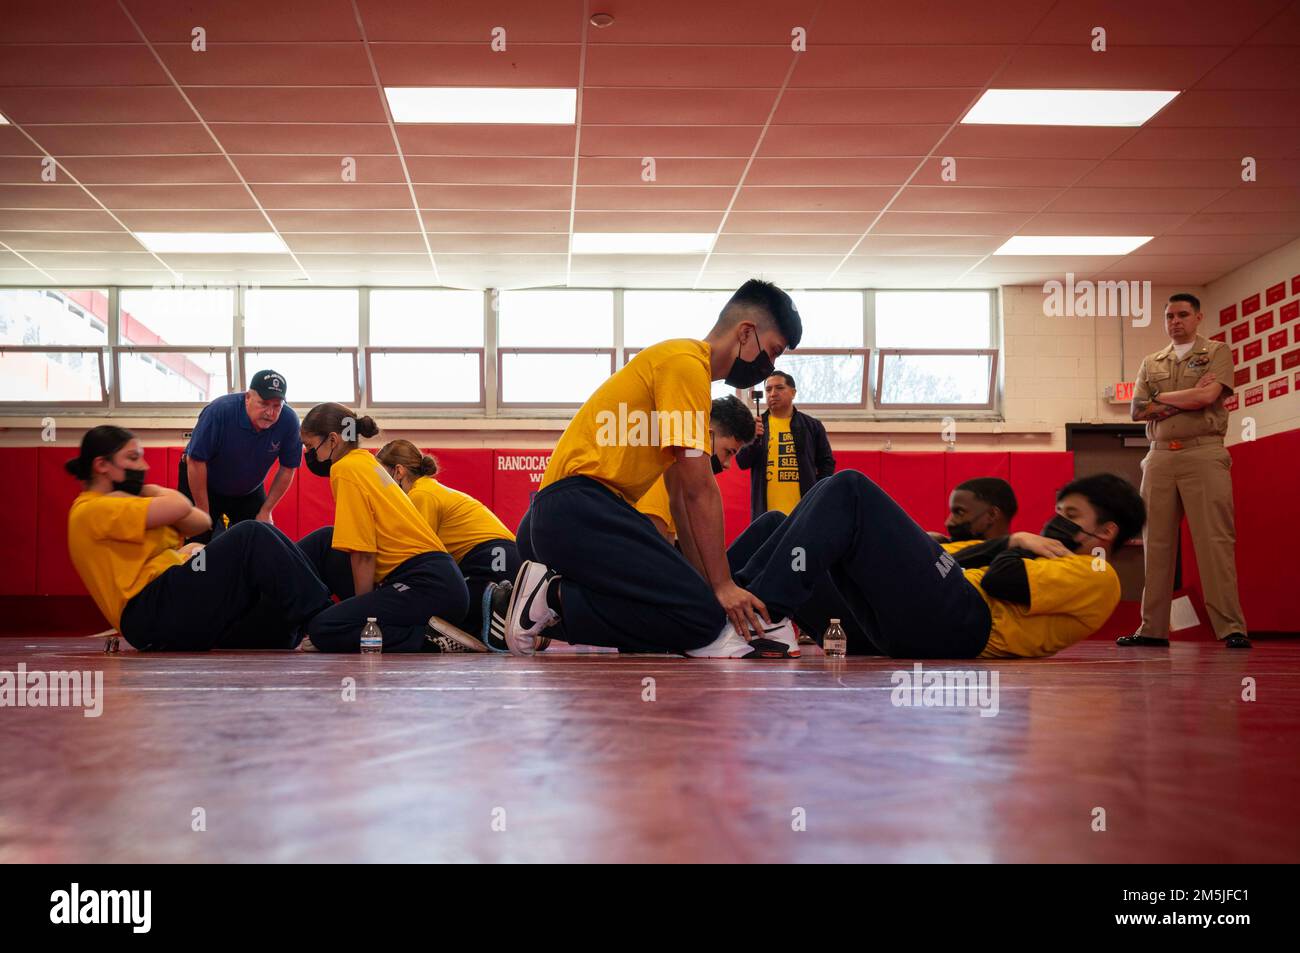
point(105, 387)
point(492, 385)
point(117, 352)
point(354, 352)
point(534, 405)
point(425, 404)
point(882, 353)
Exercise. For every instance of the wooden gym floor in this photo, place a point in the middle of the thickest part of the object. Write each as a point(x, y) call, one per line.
point(563, 752)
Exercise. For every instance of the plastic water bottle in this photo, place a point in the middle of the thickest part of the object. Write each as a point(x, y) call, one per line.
point(372, 640)
point(834, 642)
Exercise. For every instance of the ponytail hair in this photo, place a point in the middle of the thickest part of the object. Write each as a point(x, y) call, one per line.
point(102, 441)
point(325, 419)
point(406, 454)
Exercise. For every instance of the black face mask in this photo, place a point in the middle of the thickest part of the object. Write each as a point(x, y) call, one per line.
point(1063, 531)
point(961, 532)
point(133, 483)
point(745, 373)
point(315, 464)
point(717, 465)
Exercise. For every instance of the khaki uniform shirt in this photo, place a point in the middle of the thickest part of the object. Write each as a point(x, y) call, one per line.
point(1162, 372)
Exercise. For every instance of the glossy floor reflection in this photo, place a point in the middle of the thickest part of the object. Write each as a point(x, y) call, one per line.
point(435, 754)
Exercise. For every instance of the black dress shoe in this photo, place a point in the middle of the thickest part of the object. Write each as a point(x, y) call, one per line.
point(1237, 641)
point(1131, 640)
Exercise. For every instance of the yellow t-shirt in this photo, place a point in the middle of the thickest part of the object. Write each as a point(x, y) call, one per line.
point(373, 515)
point(621, 436)
point(114, 553)
point(655, 503)
point(457, 519)
point(782, 466)
point(1068, 601)
point(958, 546)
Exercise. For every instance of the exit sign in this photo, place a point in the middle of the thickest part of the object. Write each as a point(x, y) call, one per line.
point(1123, 392)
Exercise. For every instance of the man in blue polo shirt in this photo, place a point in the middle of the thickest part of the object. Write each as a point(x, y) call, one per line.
point(236, 440)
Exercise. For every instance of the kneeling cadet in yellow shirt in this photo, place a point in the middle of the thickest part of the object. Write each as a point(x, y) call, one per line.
point(595, 568)
point(395, 570)
point(250, 588)
point(482, 546)
point(1020, 596)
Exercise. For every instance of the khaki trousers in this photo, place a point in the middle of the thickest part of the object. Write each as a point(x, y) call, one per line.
point(1197, 481)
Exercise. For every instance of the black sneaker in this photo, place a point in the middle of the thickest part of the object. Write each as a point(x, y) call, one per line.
point(1128, 641)
point(435, 642)
point(1237, 641)
point(494, 620)
point(441, 628)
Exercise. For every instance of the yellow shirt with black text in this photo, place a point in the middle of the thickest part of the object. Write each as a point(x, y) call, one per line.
point(373, 515)
point(623, 435)
point(113, 550)
point(457, 519)
point(1070, 598)
point(782, 466)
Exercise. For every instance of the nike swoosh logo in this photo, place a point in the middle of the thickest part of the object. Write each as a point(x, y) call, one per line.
point(526, 618)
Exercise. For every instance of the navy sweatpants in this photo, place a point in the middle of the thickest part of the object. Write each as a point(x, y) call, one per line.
point(623, 585)
point(907, 595)
point(493, 560)
point(426, 585)
point(255, 591)
point(824, 604)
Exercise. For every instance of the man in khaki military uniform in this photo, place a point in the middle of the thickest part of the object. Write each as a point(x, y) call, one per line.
point(1179, 393)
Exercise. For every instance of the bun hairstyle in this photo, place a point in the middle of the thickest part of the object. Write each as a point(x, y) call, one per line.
point(406, 454)
point(324, 419)
point(102, 441)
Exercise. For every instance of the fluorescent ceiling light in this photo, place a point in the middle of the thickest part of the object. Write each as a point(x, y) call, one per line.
point(215, 243)
point(642, 243)
point(1068, 107)
point(482, 104)
point(1072, 244)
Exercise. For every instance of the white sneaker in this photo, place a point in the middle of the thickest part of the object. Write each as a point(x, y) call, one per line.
point(785, 633)
point(731, 644)
point(528, 614)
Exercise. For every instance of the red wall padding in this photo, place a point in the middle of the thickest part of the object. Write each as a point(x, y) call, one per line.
point(919, 481)
point(469, 471)
point(516, 474)
point(18, 520)
point(916, 482)
point(1264, 482)
point(1036, 476)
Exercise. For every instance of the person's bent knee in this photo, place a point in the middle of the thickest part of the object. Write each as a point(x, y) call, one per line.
point(768, 521)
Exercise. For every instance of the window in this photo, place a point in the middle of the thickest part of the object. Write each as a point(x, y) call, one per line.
point(288, 317)
point(309, 336)
point(653, 316)
point(33, 316)
point(311, 377)
point(426, 348)
point(47, 376)
point(162, 316)
point(412, 378)
point(935, 349)
point(830, 366)
point(172, 376)
point(50, 345)
point(416, 318)
point(556, 347)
